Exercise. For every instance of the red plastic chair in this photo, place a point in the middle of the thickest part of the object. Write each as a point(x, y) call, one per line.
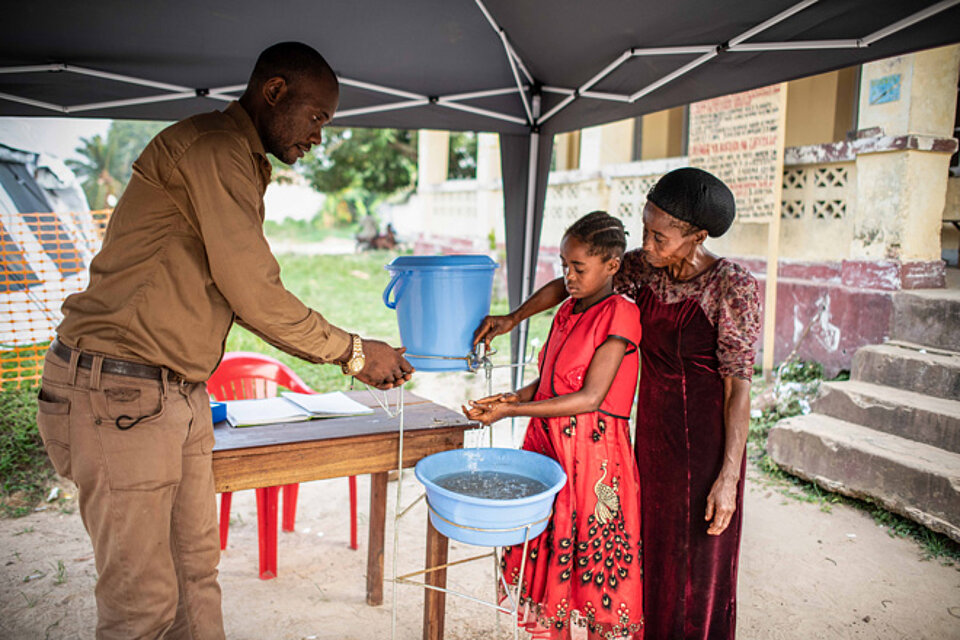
point(242, 376)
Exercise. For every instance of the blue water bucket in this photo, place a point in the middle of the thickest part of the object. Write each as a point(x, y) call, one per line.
point(484, 521)
point(440, 301)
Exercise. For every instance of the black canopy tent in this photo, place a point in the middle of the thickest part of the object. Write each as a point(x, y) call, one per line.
point(524, 69)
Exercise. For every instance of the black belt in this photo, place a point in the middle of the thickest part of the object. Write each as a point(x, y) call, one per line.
point(114, 366)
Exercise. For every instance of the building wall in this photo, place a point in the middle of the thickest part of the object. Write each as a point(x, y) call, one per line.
point(662, 134)
point(950, 235)
point(865, 197)
point(820, 108)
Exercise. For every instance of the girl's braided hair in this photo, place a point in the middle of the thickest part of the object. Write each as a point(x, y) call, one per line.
point(600, 231)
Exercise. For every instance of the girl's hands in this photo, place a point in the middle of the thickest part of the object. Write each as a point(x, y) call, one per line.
point(490, 409)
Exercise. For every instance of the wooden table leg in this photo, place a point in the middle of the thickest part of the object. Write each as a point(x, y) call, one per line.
point(434, 602)
point(378, 519)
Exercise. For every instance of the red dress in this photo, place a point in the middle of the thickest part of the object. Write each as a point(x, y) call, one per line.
point(696, 333)
point(584, 571)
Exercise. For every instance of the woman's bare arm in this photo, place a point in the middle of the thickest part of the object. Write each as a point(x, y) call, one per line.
point(546, 297)
point(603, 369)
point(722, 501)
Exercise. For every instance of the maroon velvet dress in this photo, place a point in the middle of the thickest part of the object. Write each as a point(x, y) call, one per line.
point(695, 333)
point(583, 573)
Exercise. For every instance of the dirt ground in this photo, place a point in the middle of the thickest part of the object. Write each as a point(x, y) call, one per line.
point(805, 573)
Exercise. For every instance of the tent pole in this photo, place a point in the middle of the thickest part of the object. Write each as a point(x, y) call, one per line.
point(526, 287)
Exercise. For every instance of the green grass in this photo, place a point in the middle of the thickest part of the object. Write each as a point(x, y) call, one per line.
point(306, 230)
point(25, 470)
point(14, 365)
point(347, 290)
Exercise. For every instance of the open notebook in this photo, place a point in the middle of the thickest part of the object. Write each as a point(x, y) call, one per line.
point(292, 407)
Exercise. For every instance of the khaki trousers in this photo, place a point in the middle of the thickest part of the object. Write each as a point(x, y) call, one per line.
point(146, 495)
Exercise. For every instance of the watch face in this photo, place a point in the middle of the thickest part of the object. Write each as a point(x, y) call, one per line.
point(356, 365)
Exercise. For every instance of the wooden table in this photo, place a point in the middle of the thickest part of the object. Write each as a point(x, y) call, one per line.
point(272, 455)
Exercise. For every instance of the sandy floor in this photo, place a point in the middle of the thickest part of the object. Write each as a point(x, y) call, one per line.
point(804, 574)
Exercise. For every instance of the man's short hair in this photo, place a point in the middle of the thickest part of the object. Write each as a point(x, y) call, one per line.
point(290, 61)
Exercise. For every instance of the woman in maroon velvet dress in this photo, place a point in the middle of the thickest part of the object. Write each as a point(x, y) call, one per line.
point(700, 316)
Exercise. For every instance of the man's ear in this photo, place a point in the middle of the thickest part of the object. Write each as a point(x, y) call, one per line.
point(273, 90)
point(701, 236)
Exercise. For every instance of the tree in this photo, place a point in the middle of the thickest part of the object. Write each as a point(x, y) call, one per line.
point(462, 160)
point(131, 138)
point(361, 167)
point(107, 164)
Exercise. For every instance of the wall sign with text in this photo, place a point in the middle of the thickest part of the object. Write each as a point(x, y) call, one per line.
point(739, 139)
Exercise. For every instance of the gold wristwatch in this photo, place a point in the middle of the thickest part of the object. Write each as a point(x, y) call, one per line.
point(354, 365)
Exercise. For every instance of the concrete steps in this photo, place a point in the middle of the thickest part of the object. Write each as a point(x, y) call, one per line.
point(915, 416)
point(913, 479)
point(929, 317)
point(908, 366)
point(892, 432)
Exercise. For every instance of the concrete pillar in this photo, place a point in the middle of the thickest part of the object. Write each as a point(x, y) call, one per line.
point(433, 153)
point(489, 199)
point(433, 156)
point(909, 101)
point(566, 150)
point(488, 157)
point(662, 134)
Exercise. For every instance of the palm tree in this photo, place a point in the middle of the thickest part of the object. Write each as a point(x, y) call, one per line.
point(95, 170)
point(106, 165)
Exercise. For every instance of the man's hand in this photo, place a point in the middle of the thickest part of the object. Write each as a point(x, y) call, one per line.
point(384, 366)
point(491, 327)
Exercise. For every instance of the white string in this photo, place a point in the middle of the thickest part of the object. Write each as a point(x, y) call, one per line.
point(396, 512)
point(385, 403)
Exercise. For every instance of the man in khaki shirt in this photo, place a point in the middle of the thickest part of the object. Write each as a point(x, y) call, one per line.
point(123, 410)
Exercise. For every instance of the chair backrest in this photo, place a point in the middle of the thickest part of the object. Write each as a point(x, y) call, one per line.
point(243, 375)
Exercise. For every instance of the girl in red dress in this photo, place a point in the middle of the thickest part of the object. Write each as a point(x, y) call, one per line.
point(583, 574)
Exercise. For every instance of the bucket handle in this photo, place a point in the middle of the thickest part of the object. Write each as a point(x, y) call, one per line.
point(390, 287)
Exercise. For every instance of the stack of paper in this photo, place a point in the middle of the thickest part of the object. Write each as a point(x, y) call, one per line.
point(292, 407)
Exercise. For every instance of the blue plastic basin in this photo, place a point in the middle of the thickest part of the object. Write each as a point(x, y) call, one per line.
point(440, 301)
point(482, 521)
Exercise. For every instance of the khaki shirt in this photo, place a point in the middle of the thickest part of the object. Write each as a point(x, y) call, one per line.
point(184, 256)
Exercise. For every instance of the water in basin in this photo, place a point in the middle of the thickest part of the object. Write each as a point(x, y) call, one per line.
point(493, 485)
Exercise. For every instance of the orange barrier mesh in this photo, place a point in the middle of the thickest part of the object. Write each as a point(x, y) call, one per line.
point(44, 257)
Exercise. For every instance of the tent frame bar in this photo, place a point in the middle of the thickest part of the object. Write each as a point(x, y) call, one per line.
point(379, 88)
point(735, 45)
point(511, 52)
point(529, 249)
point(514, 61)
point(517, 67)
point(909, 21)
point(390, 106)
point(446, 102)
point(472, 95)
